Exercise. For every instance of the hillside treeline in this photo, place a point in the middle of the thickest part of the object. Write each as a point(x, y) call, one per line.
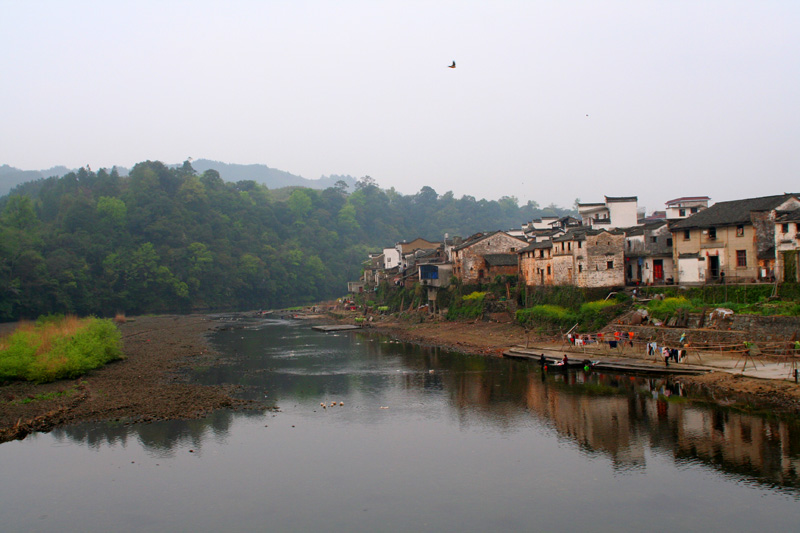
point(167, 239)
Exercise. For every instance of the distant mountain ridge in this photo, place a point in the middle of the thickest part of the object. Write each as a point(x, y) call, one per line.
point(273, 178)
point(10, 177)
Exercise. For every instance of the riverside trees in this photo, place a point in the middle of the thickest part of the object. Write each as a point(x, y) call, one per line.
point(168, 239)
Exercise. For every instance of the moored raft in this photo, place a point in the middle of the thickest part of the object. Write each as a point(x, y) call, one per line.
point(336, 327)
point(627, 366)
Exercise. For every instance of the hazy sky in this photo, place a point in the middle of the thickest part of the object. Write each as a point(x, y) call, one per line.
point(550, 100)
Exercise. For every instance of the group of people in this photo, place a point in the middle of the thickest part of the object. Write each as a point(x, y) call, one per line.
point(617, 339)
point(676, 354)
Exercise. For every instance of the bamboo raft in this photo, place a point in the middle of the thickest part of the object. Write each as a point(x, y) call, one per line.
point(336, 327)
point(606, 365)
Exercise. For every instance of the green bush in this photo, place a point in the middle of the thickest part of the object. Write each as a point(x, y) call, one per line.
point(551, 315)
point(594, 315)
point(663, 309)
point(469, 306)
point(41, 355)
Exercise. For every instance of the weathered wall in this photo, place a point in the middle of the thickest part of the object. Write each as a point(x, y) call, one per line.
point(752, 328)
point(470, 260)
point(592, 260)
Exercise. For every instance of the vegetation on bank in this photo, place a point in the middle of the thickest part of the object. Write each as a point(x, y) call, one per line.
point(552, 310)
point(168, 239)
point(58, 348)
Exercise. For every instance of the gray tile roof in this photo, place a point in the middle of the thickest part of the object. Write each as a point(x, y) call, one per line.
point(731, 213)
point(789, 216)
point(501, 259)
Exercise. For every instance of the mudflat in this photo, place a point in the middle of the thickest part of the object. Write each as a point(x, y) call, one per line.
point(149, 384)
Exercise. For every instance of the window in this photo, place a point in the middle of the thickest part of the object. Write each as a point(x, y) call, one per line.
point(682, 212)
point(610, 265)
point(548, 270)
point(654, 239)
point(694, 210)
point(669, 241)
point(580, 267)
point(740, 230)
point(712, 234)
point(580, 244)
point(741, 258)
point(784, 228)
point(687, 234)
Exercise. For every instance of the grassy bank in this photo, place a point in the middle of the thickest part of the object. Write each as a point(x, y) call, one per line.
point(58, 348)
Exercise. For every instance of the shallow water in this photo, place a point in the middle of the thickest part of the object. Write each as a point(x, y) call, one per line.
point(425, 440)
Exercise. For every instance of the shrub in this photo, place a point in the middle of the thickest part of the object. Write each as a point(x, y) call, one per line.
point(663, 309)
point(594, 315)
point(56, 350)
point(469, 306)
point(552, 315)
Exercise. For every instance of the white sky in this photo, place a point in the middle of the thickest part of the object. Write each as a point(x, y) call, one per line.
point(683, 98)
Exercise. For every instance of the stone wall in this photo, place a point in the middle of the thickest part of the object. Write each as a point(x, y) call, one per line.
point(753, 328)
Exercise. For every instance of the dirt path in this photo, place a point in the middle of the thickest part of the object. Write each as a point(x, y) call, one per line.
point(146, 386)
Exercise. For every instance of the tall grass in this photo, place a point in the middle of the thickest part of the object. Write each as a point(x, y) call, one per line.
point(58, 348)
point(466, 307)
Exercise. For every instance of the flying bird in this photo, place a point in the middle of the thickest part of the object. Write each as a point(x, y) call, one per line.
point(452, 66)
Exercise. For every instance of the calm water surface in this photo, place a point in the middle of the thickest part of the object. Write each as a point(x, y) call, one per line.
point(426, 440)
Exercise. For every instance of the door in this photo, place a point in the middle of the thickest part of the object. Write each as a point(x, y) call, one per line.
point(713, 266)
point(790, 266)
point(658, 269)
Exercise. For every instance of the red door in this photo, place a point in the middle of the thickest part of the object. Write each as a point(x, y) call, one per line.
point(658, 269)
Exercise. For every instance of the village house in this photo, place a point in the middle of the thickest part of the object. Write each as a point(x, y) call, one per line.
point(787, 246)
point(648, 254)
point(391, 257)
point(730, 241)
point(686, 206)
point(615, 212)
point(469, 258)
point(374, 270)
point(583, 257)
point(539, 223)
point(406, 250)
point(536, 264)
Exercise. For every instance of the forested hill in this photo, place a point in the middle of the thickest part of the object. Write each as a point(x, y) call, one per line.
point(170, 239)
point(271, 177)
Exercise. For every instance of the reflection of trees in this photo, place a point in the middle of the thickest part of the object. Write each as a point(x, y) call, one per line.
point(159, 437)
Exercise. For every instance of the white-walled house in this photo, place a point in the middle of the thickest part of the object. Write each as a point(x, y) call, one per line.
point(686, 206)
point(615, 212)
point(391, 258)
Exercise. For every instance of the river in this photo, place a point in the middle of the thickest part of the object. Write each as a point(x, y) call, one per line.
point(418, 439)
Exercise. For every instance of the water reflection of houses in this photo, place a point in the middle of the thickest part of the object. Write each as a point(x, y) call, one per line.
point(748, 445)
point(599, 423)
point(621, 418)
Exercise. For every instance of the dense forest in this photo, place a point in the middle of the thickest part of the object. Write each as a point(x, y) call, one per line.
point(170, 239)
